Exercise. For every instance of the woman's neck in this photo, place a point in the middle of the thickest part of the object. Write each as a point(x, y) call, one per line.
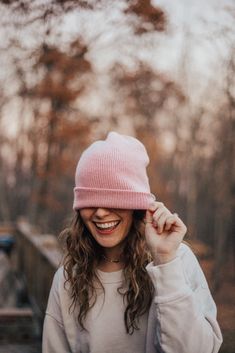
point(112, 259)
point(110, 266)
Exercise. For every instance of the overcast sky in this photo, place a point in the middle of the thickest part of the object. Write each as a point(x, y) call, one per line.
point(195, 46)
point(198, 38)
point(204, 22)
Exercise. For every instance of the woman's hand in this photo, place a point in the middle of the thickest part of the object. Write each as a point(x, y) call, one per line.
point(164, 232)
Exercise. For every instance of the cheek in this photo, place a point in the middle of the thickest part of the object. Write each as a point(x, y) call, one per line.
point(84, 215)
point(87, 224)
point(85, 221)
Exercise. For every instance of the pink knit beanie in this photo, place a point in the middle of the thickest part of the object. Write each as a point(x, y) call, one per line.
point(112, 174)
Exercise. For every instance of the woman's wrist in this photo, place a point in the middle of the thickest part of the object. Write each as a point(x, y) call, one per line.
point(160, 259)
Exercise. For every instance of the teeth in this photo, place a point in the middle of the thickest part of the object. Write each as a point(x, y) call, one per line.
point(106, 225)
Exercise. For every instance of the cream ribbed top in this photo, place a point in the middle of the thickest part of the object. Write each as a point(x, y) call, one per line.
point(105, 321)
point(181, 319)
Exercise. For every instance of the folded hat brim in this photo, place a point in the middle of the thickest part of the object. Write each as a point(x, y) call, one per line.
point(109, 198)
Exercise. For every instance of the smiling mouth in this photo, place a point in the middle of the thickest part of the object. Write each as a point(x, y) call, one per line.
point(106, 227)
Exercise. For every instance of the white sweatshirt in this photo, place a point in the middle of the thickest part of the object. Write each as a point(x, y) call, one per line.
point(181, 319)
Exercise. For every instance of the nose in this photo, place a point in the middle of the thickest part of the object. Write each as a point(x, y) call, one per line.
point(101, 212)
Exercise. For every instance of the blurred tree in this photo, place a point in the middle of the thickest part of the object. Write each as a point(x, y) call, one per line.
point(146, 94)
point(151, 18)
point(56, 124)
point(224, 177)
point(51, 82)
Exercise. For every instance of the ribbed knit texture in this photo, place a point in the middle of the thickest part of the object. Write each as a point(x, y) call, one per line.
point(112, 174)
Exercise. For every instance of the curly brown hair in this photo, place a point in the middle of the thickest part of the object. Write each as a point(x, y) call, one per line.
point(83, 254)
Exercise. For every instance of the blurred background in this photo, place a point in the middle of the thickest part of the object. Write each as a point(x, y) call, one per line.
point(71, 71)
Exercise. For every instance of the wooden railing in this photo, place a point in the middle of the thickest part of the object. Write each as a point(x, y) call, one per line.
point(36, 257)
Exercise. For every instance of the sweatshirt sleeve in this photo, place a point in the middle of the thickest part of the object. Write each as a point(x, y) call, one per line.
point(184, 307)
point(54, 338)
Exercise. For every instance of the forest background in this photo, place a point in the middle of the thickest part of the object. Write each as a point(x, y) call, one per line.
point(161, 71)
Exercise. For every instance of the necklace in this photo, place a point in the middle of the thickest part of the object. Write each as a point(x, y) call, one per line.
point(111, 260)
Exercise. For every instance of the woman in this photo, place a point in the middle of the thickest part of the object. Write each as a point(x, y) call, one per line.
point(128, 284)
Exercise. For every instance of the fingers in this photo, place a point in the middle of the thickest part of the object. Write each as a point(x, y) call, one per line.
point(170, 221)
point(161, 221)
point(160, 217)
point(155, 206)
point(154, 212)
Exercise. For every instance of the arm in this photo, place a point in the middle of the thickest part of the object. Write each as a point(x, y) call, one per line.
point(54, 337)
point(186, 312)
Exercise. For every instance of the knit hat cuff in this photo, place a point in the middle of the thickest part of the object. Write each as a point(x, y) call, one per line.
point(111, 198)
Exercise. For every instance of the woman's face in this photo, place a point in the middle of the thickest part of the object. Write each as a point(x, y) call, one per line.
point(109, 227)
